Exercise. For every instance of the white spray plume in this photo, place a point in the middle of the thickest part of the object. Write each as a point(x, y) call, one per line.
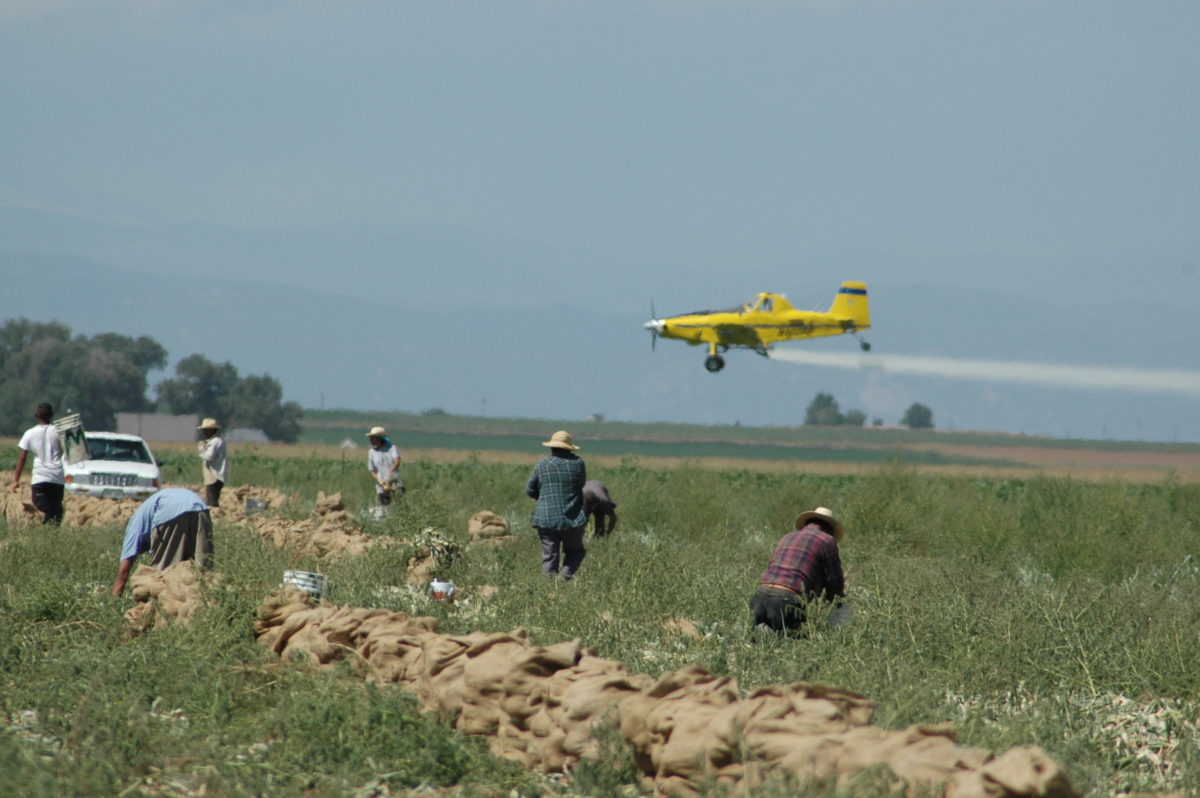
point(1086, 377)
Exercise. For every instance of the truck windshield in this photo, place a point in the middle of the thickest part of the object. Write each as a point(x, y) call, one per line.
point(124, 451)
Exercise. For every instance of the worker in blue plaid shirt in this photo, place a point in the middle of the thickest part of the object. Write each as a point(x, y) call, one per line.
point(557, 484)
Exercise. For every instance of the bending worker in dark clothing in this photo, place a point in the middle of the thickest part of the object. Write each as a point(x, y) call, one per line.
point(804, 567)
point(173, 525)
point(600, 506)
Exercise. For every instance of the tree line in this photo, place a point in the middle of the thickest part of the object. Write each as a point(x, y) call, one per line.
point(100, 375)
point(823, 411)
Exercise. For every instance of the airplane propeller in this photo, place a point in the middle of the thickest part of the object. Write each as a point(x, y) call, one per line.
point(654, 326)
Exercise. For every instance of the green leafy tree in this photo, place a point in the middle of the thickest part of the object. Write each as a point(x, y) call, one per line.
point(96, 377)
point(28, 352)
point(823, 411)
point(110, 376)
point(215, 390)
point(200, 386)
point(257, 402)
point(918, 416)
point(854, 418)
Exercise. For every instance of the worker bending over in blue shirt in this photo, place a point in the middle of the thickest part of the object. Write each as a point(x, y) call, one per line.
point(173, 525)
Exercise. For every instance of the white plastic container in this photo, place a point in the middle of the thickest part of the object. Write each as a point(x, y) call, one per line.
point(313, 584)
point(441, 591)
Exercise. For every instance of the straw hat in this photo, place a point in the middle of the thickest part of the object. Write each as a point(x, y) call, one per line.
point(209, 423)
point(821, 514)
point(377, 432)
point(561, 440)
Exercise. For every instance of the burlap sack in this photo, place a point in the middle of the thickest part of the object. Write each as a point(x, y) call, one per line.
point(1026, 770)
point(329, 537)
point(489, 660)
point(581, 698)
point(487, 526)
point(327, 504)
point(171, 595)
point(395, 653)
point(276, 608)
point(439, 683)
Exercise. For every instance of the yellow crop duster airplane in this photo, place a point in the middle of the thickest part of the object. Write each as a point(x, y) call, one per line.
point(764, 320)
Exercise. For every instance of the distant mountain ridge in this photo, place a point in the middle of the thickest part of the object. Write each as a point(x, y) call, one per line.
point(425, 266)
point(562, 360)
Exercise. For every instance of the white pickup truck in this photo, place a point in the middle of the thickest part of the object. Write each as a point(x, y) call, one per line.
point(117, 467)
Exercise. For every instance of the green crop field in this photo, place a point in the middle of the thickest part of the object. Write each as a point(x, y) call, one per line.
point(421, 439)
point(1040, 611)
point(334, 426)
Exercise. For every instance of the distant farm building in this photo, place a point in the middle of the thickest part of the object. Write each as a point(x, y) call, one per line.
point(166, 428)
point(159, 427)
point(246, 435)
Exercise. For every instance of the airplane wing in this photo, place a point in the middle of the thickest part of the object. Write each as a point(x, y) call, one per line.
point(737, 335)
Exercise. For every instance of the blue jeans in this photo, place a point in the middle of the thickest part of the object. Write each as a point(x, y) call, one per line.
point(778, 610)
point(569, 542)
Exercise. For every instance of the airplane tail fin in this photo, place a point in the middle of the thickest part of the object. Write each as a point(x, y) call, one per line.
point(851, 302)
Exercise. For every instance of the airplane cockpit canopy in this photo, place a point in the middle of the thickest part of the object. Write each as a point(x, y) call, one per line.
point(762, 303)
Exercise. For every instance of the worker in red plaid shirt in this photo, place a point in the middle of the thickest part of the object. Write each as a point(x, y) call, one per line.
point(804, 567)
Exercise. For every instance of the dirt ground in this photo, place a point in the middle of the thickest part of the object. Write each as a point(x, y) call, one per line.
point(1160, 463)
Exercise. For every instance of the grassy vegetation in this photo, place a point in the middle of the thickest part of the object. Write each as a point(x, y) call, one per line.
point(1026, 611)
point(422, 439)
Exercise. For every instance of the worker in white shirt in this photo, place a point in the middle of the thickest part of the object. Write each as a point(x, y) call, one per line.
point(49, 480)
point(215, 460)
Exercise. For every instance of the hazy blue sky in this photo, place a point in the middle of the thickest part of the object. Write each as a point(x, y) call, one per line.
point(987, 143)
point(534, 152)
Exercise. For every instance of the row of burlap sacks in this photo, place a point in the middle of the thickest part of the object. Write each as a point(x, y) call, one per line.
point(332, 532)
point(173, 594)
point(541, 706)
point(80, 511)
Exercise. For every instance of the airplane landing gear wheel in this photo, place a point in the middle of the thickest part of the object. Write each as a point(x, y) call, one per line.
point(714, 363)
point(866, 347)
